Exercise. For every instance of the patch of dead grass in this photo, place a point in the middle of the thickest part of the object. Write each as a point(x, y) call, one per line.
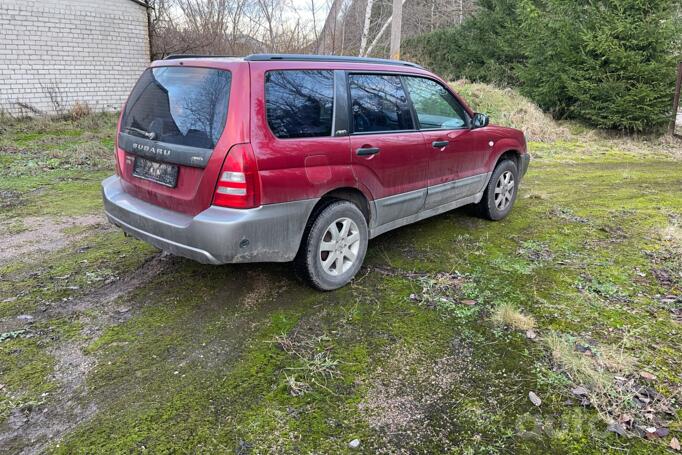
point(507, 107)
point(508, 315)
point(605, 377)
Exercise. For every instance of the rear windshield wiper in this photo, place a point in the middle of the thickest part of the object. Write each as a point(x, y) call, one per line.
point(149, 135)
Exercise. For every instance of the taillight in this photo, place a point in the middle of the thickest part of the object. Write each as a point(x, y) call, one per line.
point(239, 182)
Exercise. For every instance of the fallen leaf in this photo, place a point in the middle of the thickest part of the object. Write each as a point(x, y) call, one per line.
point(647, 376)
point(469, 302)
point(675, 444)
point(580, 391)
point(530, 334)
point(534, 398)
point(662, 432)
point(651, 432)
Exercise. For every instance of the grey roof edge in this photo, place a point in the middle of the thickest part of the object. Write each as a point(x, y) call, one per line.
point(302, 58)
point(326, 58)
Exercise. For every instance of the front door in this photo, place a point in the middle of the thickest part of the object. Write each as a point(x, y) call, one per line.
point(456, 152)
point(387, 150)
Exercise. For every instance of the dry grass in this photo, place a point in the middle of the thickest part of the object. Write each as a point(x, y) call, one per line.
point(315, 363)
point(581, 369)
point(507, 107)
point(508, 316)
point(78, 111)
point(613, 388)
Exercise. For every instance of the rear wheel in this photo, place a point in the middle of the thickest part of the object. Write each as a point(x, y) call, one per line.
point(500, 194)
point(333, 246)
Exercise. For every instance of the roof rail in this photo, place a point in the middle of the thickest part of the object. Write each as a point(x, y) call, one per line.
point(177, 56)
point(326, 58)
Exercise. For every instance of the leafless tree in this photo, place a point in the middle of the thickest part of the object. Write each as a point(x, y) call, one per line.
point(232, 27)
point(365, 27)
point(239, 27)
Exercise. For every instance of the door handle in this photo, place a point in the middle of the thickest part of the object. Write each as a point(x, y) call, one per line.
point(439, 144)
point(367, 151)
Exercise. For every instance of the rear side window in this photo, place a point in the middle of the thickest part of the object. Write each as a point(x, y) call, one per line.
point(378, 103)
point(299, 103)
point(179, 105)
point(435, 106)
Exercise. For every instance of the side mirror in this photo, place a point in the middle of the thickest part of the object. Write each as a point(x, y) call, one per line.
point(480, 120)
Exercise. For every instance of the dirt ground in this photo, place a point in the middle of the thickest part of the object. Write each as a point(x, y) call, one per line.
point(556, 330)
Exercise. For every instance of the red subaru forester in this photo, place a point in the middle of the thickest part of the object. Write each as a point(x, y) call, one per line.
point(300, 157)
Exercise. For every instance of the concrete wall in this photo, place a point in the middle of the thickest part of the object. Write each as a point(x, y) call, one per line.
point(90, 51)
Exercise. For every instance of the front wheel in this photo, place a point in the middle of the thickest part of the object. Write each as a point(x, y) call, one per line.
point(500, 194)
point(333, 247)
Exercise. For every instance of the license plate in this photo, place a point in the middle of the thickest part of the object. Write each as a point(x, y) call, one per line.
point(162, 173)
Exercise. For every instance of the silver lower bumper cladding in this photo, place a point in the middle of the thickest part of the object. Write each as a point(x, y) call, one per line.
point(218, 235)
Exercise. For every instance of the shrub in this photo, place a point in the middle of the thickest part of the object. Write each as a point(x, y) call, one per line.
point(483, 49)
point(608, 62)
point(79, 110)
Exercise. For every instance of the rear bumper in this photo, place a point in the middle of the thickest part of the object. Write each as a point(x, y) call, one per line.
point(270, 233)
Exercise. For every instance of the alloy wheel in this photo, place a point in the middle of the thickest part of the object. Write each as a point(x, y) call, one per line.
point(504, 190)
point(339, 246)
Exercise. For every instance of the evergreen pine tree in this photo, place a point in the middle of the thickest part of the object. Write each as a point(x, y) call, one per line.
point(608, 62)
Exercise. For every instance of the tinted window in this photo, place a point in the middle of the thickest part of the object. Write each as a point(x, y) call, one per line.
point(436, 107)
point(179, 105)
point(300, 103)
point(379, 103)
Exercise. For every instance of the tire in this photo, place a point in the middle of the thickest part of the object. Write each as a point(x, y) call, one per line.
point(492, 206)
point(324, 242)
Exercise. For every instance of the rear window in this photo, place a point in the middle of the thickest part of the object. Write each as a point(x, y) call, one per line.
point(300, 103)
point(179, 105)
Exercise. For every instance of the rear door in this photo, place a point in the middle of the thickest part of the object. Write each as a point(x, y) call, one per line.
point(293, 131)
point(170, 144)
point(456, 152)
point(387, 149)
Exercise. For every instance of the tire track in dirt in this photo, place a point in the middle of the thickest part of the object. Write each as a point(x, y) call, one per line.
point(30, 431)
point(43, 235)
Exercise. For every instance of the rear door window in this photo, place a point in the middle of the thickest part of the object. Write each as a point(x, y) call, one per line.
point(300, 103)
point(378, 103)
point(179, 105)
point(435, 106)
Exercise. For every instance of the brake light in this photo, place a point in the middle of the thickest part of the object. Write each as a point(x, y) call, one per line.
point(239, 182)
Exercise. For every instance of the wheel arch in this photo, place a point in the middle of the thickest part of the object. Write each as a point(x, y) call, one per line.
point(511, 154)
point(349, 194)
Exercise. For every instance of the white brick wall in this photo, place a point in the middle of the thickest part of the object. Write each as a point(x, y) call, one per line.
point(90, 51)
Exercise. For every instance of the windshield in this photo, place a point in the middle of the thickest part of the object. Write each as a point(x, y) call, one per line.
point(179, 105)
